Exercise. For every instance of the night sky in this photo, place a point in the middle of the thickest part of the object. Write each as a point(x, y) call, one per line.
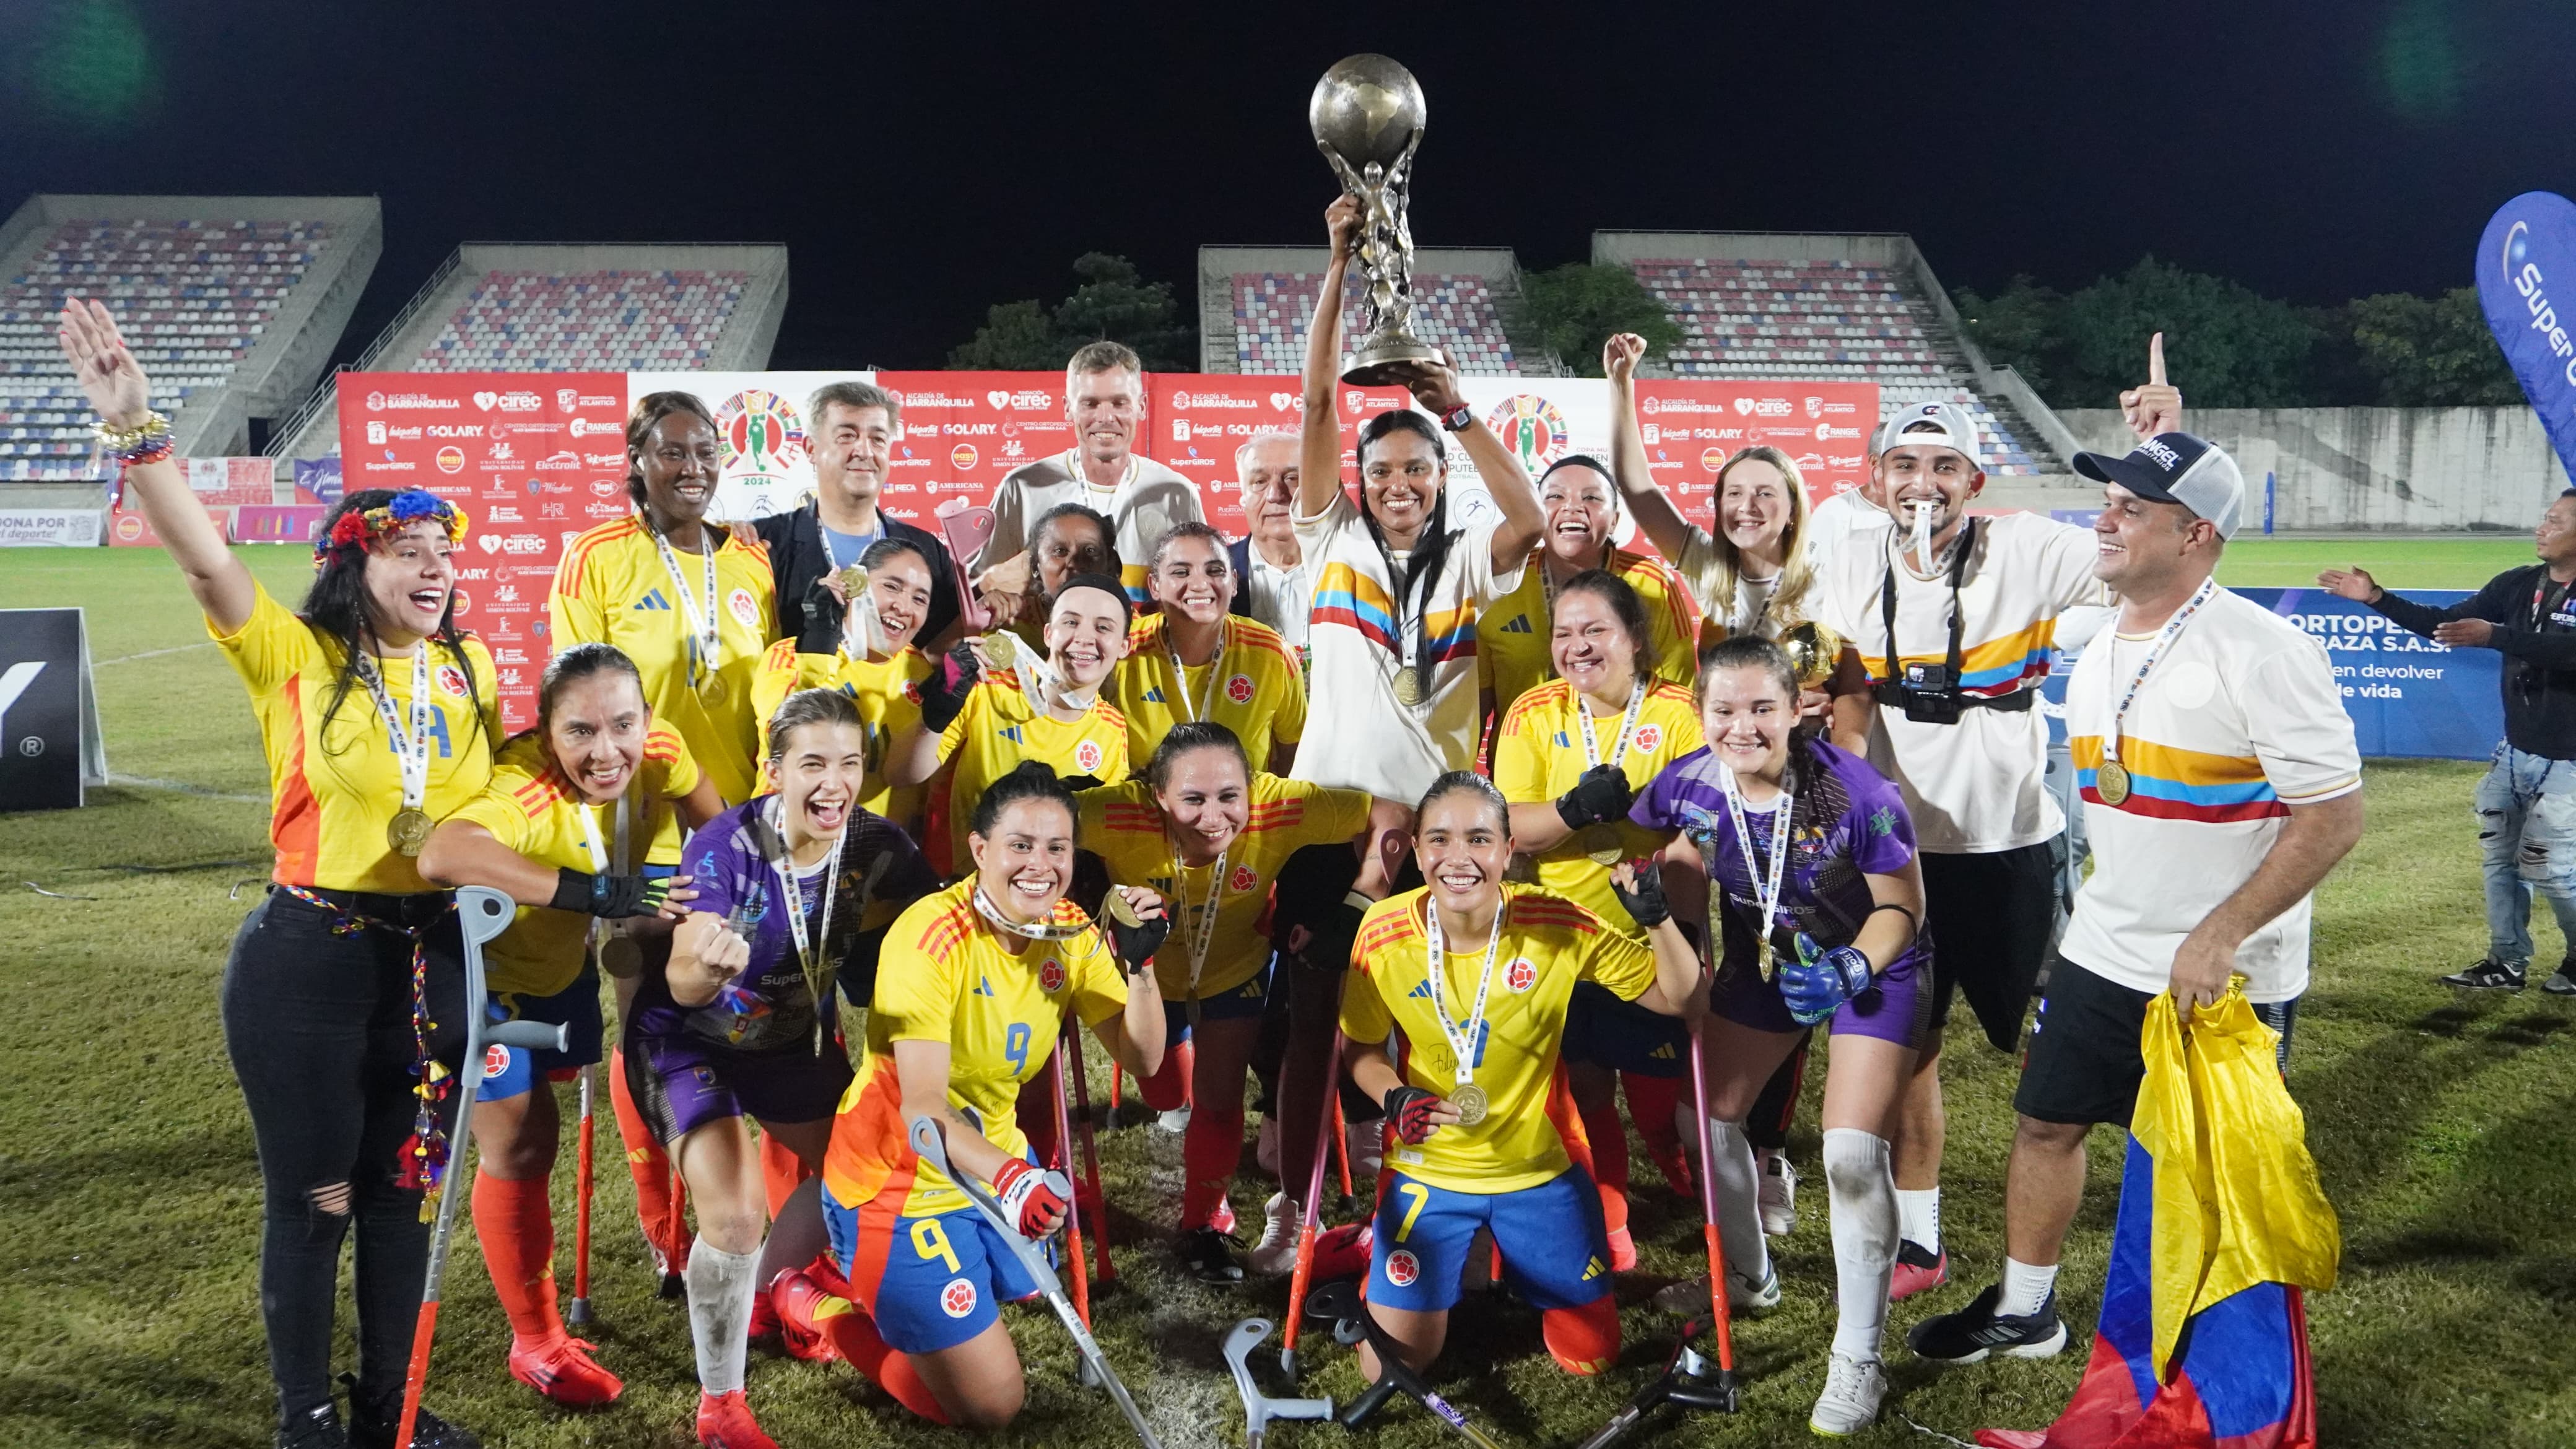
point(924, 161)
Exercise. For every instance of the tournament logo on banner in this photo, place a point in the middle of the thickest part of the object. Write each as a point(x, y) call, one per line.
point(1532, 428)
point(763, 438)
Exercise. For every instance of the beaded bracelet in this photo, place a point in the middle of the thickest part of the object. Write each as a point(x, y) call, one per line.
point(124, 440)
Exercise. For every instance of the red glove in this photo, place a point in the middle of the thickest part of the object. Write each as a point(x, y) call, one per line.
point(1034, 1198)
point(1408, 1111)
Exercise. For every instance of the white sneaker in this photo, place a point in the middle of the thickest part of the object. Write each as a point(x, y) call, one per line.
point(1275, 1256)
point(1778, 1194)
point(1367, 1144)
point(1175, 1121)
point(1849, 1403)
point(1265, 1146)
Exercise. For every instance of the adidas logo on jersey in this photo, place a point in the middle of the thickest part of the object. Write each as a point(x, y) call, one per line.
point(1011, 733)
point(1663, 1053)
point(1154, 694)
point(1520, 624)
point(653, 600)
point(1592, 1269)
point(1421, 989)
point(984, 987)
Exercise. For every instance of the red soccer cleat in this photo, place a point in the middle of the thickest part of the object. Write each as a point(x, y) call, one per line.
point(562, 1369)
point(805, 1309)
point(1341, 1252)
point(725, 1422)
point(1916, 1270)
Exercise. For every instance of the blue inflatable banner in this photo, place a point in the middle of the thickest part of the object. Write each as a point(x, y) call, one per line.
point(2526, 272)
point(2409, 697)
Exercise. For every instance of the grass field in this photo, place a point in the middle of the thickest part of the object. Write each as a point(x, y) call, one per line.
point(2445, 1127)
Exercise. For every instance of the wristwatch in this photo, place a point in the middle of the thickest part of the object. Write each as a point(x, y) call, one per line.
point(1457, 419)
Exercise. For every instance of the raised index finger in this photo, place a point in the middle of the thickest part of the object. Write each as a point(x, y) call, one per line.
point(2156, 359)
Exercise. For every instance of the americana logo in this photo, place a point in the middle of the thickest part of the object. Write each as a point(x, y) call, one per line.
point(1531, 427)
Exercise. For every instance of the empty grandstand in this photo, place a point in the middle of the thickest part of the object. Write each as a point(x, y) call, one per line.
point(575, 307)
point(1862, 307)
point(1254, 303)
point(233, 303)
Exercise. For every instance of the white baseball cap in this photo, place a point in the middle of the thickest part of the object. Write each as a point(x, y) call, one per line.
point(1941, 424)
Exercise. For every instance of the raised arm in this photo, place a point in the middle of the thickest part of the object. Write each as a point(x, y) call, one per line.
point(1653, 508)
point(1319, 435)
point(116, 388)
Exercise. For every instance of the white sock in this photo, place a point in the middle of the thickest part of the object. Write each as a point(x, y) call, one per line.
point(720, 1313)
point(1862, 1190)
point(2025, 1288)
point(1739, 1209)
point(1918, 1215)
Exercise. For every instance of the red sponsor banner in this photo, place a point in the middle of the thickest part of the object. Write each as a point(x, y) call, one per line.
point(963, 432)
point(1692, 427)
point(277, 523)
point(231, 482)
point(128, 528)
point(533, 459)
point(1201, 423)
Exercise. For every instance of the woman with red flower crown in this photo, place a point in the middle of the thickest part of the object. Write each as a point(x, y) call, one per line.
point(378, 717)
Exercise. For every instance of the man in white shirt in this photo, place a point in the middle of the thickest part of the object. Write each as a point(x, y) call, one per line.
point(1272, 582)
point(1850, 511)
point(2221, 782)
point(1104, 400)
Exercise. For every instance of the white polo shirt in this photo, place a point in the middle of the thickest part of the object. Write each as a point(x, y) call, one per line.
point(2239, 720)
point(1149, 499)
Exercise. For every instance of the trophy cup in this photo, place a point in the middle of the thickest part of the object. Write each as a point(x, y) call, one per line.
point(1814, 651)
point(1367, 116)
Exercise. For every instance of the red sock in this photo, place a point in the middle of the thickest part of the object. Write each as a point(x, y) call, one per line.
point(517, 1230)
point(780, 1172)
point(1583, 1340)
point(1168, 1090)
point(1651, 1101)
point(1036, 1113)
point(646, 1162)
point(855, 1335)
point(1210, 1150)
point(1609, 1140)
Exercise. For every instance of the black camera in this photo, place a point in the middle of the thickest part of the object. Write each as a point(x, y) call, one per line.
point(1929, 695)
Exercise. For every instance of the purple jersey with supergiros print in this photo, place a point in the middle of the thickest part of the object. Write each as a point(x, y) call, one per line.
point(768, 1005)
point(1850, 823)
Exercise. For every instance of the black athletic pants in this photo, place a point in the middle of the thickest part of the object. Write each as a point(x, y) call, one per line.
point(319, 1027)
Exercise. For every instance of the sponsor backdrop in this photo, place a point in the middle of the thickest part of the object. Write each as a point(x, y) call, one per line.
point(2407, 695)
point(2526, 268)
point(50, 745)
point(536, 458)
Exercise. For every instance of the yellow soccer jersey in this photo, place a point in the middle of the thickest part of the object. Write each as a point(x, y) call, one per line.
point(612, 588)
point(949, 976)
point(1253, 687)
point(1122, 825)
point(531, 809)
point(1538, 755)
point(333, 793)
point(889, 699)
point(999, 727)
point(1547, 945)
point(1514, 635)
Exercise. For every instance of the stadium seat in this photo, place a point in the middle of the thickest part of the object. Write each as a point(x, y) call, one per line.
point(1455, 312)
point(612, 321)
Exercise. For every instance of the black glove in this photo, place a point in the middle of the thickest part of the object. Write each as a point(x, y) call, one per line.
point(1599, 797)
point(944, 690)
point(609, 896)
point(1080, 783)
point(1329, 942)
point(1645, 900)
point(1137, 943)
point(1408, 1110)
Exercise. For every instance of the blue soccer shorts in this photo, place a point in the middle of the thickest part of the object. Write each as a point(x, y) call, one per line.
point(1556, 1253)
point(929, 1282)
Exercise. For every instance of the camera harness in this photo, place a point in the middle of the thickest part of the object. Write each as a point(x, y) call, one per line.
point(1892, 690)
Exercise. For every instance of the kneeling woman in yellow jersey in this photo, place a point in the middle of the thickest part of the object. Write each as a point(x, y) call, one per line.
point(875, 664)
point(1210, 833)
point(1571, 755)
point(977, 982)
point(1483, 1025)
point(741, 1023)
point(1049, 710)
point(536, 833)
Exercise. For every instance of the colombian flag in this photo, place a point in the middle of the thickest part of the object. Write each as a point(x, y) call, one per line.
point(2203, 1341)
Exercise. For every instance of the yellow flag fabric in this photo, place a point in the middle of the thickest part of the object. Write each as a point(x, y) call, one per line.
point(2237, 1200)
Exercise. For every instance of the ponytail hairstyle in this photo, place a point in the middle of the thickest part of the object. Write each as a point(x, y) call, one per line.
point(650, 410)
point(1797, 575)
point(809, 707)
point(1197, 734)
point(580, 662)
point(1469, 782)
point(1431, 548)
point(336, 606)
point(1029, 780)
point(1622, 598)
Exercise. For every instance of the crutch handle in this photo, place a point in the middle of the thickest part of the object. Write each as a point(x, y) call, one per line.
point(532, 1035)
point(483, 913)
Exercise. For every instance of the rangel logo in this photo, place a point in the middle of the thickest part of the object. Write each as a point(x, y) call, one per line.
point(1531, 427)
point(761, 433)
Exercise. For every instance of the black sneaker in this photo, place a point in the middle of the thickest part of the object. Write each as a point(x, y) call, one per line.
point(314, 1429)
point(1209, 1256)
point(2488, 975)
point(373, 1426)
point(1975, 1331)
point(2562, 982)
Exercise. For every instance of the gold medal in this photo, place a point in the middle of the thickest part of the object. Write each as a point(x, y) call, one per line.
point(1002, 648)
point(854, 582)
point(620, 956)
point(2111, 782)
point(1408, 687)
point(1762, 957)
point(408, 831)
point(1471, 1104)
point(1601, 844)
point(1121, 910)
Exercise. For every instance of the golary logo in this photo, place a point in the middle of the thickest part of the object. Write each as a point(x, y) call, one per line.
point(762, 434)
point(1531, 427)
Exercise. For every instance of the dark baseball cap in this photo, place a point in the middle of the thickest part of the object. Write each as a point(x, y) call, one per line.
point(2176, 468)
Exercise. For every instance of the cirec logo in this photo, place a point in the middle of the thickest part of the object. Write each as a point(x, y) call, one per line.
point(761, 432)
point(1531, 427)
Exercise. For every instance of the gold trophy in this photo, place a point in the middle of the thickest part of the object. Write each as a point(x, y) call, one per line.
point(1814, 651)
point(1367, 115)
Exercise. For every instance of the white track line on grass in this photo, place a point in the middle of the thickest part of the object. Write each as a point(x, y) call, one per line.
point(154, 653)
point(141, 782)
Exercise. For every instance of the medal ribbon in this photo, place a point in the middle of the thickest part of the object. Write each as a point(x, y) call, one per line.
point(1073, 469)
point(1766, 892)
point(603, 861)
point(1033, 930)
point(704, 644)
point(1627, 725)
point(2155, 651)
point(1204, 933)
point(1462, 1046)
point(410, 746)
point(807, 933)
point(1199, 709)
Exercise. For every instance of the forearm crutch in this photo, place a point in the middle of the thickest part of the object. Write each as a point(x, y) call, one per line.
point(1108, 1271)
point(1717, 1307)
point(1073, 1210)
point(577, 1313)
point(1303, 1273)
point(482, 913)
point(1117, 1094)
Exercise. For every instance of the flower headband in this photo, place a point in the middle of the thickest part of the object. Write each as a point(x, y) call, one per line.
point(357, 526)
